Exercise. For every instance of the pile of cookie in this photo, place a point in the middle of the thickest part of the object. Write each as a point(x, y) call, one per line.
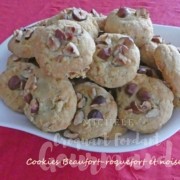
point(87, 75)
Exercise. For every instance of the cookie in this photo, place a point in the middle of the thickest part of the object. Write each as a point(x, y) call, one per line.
point(144, 104)
point(22, 42)
point(147, 51)
point(12, 82)
point(50, 103)
point(167, 59)
point(117, 131)
point(115, 61)
point(64, 49)
point(13, 60)
point(96, 112)
point(78, 15)
point(135, 23)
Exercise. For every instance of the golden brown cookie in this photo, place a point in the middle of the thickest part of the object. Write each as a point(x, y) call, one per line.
point(78, 15)
point(50, 103)
point(12, 82)
point(144, 104)
point(96, 111)
point(167, 59)
point(133, 22)
point(147, 51)
point(64, 49)
point(115, 61)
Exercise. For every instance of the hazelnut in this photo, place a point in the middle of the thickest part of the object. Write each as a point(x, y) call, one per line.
point(18, 35)
point(157, 39)
point(82, 102)
point(71, 50)
point(28, 97)
point(79, 117)
point(95, 13)
point(143, 94)
point(53, 43)
point(14, 82)
point(126, 41)
point(123, 12)
point(145, 70)
point(73, 30)
point(98, 100)
point(34, 106)
point(139, 109)
point(28, 33)
point(104, 53)
point(23, 83)
point(145, 106)
point(106, 40)
point(95, 114)
point(79, 15)
point(131, 88)
point(120, 49)
point(31, 84)
point(60, 35)
point(119, 56)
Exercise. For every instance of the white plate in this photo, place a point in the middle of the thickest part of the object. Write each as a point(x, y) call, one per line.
point(130, 142)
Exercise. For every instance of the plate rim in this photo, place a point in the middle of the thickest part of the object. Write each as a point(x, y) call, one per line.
point(97, 149)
